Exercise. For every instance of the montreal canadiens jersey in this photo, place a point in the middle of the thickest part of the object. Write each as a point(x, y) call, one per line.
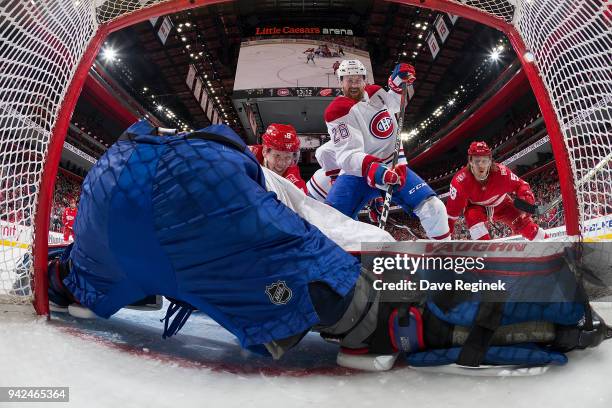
point(319, 185)
point(321, 181)
point(363, 132)
point(466, 190)
point(326, 157)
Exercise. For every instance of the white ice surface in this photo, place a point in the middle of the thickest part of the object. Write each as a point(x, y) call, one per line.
point(123, 362)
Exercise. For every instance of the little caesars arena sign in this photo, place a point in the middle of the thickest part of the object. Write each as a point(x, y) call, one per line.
point(301, 30)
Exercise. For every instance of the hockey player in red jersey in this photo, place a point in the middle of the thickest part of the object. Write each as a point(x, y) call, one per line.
point(483, 189)
point(336, 66)
point(279, 152)
point(68, 220)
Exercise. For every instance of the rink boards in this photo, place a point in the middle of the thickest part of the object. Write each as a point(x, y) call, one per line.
point(16, 240)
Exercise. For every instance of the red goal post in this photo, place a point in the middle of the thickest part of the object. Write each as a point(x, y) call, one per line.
point(48, 46)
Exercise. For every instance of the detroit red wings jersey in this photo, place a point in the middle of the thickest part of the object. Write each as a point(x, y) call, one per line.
point(69, 216)
point(466, 190)
point(363, 132)
point(292, 173)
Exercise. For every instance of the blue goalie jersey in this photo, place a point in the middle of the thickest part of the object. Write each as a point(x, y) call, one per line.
point(189, 218)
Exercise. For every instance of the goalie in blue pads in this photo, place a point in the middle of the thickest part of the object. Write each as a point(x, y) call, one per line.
point(189, 217)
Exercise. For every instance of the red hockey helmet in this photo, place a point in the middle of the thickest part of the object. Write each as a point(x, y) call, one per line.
point(281, 137)
point(479, 149)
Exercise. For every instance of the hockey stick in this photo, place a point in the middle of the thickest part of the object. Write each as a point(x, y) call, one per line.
point(398, 144)
point(405, 228)
point(490, 211)
point(535, 209)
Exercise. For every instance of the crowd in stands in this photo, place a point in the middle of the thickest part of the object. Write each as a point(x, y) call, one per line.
point(17, 193)
point(518, 130)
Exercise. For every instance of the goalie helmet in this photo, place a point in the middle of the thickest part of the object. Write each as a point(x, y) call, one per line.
point(351, 67)
point(281, 137)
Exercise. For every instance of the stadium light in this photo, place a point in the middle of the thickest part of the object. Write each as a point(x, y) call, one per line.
point(160, 108)
point(109, 54)
point(494, 55)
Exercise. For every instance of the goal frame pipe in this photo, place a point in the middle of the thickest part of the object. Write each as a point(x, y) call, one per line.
point(58, 134)
point(562, 158)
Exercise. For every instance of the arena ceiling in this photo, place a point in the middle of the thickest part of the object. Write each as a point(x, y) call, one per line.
point(394, 33)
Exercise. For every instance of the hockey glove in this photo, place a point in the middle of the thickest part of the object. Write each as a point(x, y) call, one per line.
point(376, 206)
point(401, 73)
point(401, 171)
point(380, 176)
point(525, 194)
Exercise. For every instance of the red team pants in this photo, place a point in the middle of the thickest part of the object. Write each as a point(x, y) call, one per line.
point(521, 223)
point(68, 233)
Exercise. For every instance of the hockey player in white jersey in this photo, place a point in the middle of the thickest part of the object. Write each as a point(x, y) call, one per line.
point(322, 180)
point(362, 127)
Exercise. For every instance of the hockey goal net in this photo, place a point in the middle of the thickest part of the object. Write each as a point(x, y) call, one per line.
point(47, 47)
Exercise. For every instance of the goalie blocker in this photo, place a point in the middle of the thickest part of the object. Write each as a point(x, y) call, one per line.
point(285, 279)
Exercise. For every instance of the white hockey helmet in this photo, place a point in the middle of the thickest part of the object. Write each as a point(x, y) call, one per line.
point(351, 67)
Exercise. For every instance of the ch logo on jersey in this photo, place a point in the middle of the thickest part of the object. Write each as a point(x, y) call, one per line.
point(381, 125)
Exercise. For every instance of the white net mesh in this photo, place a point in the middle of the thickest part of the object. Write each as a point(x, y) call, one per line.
point(43, 41)
point(41, 45)
point(571, 42)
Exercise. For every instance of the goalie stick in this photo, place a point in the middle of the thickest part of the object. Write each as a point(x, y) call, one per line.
point(398, 143)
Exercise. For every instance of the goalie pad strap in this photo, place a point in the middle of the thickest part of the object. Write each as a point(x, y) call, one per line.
point(478, 341)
